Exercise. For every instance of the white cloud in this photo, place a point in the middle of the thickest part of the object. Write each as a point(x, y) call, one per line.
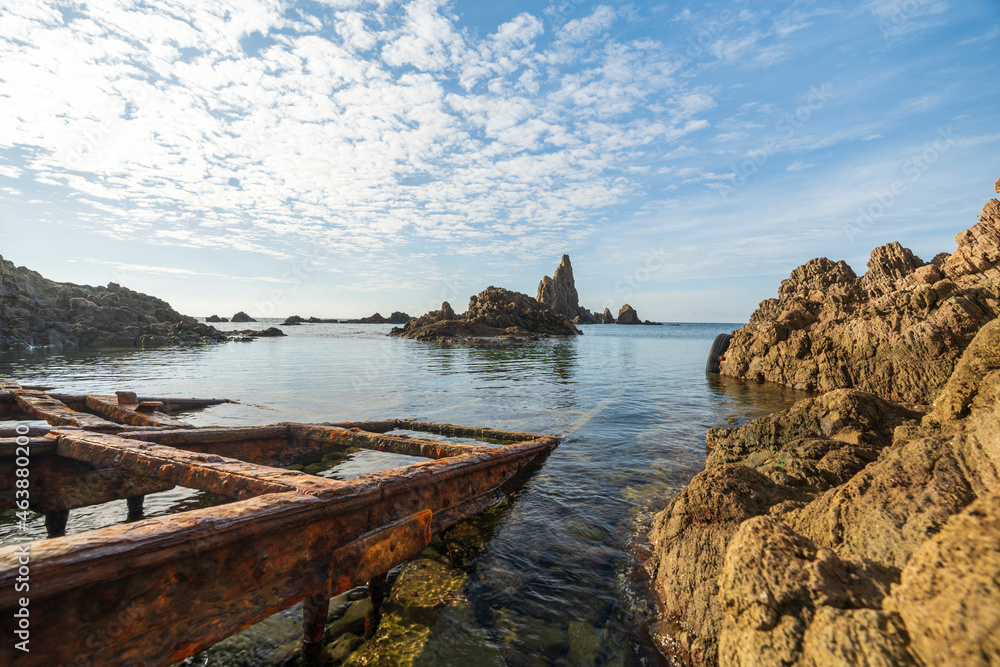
point(799, 165)
point(241, 125)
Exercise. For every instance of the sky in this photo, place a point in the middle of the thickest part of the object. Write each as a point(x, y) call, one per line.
point(337, 157)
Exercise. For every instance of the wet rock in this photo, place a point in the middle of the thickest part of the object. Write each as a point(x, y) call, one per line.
point(627, 315)
point(897, 332)
point(294, 320)
point(607, 317)
point(493, 313)
point(215, 319)
point(242, 317)
point(37, 312)
point(584, 643)
point(270, 332)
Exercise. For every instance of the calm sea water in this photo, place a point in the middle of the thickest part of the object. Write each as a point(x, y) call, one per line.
point(632, 404)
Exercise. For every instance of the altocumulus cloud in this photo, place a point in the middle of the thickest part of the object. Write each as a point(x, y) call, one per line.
point(262, 125)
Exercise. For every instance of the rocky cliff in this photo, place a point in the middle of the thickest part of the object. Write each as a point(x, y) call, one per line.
point(897, 331)
point(493, 313)
point(850, 529)
point(37, 312)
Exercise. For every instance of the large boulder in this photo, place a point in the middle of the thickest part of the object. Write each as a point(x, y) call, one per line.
point(898, 331)
point(242, 317)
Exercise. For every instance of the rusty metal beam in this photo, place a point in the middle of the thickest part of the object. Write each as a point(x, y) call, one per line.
point(227, 477)
point(396, 444)
point(131, 414)
point(40, 405)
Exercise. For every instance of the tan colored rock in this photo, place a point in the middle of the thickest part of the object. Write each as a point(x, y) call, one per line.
point(627, 315)
point(897, 332)
point(949, 596)
point(788, 602)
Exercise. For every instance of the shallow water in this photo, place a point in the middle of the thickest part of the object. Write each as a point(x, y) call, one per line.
point(632, 403)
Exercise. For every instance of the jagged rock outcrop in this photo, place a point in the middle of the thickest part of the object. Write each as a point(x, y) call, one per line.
point(38, 312)
point(627, 315)
point(845, 530)
point(242, 317)
point(898, 331)
point(493, 313)
point(607, 317)
point(397, 317)
point(559, 294)
point(214, 319)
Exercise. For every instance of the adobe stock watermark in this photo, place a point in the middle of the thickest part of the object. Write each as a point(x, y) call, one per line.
point(300, 272)
point(901, 13)
point(632, 282)
point(914, 167)
point(785, 128)
point(22, 582)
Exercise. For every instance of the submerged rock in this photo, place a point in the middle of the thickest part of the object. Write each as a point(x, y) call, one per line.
point(898, 331)
point(493, 313)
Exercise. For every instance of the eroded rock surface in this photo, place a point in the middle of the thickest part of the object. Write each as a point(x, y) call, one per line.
point(898, 331)
point(38, 312)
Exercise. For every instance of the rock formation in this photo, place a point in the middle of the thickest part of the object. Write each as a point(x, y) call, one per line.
point(898, 331)
point(397, 317)
point(493, 313)
point(295, 320)
point(215, 319)
point(850, 529)
point(607, 317)
point(37, 312)
point(627, 315)
point(242, 317)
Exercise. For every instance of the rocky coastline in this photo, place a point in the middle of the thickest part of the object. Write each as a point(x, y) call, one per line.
point(36, 312)
point(860, 526)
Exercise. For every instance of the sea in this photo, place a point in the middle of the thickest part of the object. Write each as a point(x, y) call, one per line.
point(632, 404)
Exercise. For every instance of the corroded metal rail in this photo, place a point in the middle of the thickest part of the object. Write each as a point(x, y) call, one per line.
point(156, 591)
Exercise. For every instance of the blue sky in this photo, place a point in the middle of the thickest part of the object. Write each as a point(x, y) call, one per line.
point(338, 157)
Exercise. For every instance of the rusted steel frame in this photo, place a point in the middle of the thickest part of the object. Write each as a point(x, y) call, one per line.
point(465, 431)
point(37, 446)
point(374, 554)
point(173, 586)
point(170, 404)
point(33, 432)
point(224, 476)
point(384, 426)
point(268, 445)
point(335, 436)
point(66, 492)
point(42, 406)
point(109, 407)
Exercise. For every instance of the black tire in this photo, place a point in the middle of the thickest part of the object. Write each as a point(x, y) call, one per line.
point(719, 347)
